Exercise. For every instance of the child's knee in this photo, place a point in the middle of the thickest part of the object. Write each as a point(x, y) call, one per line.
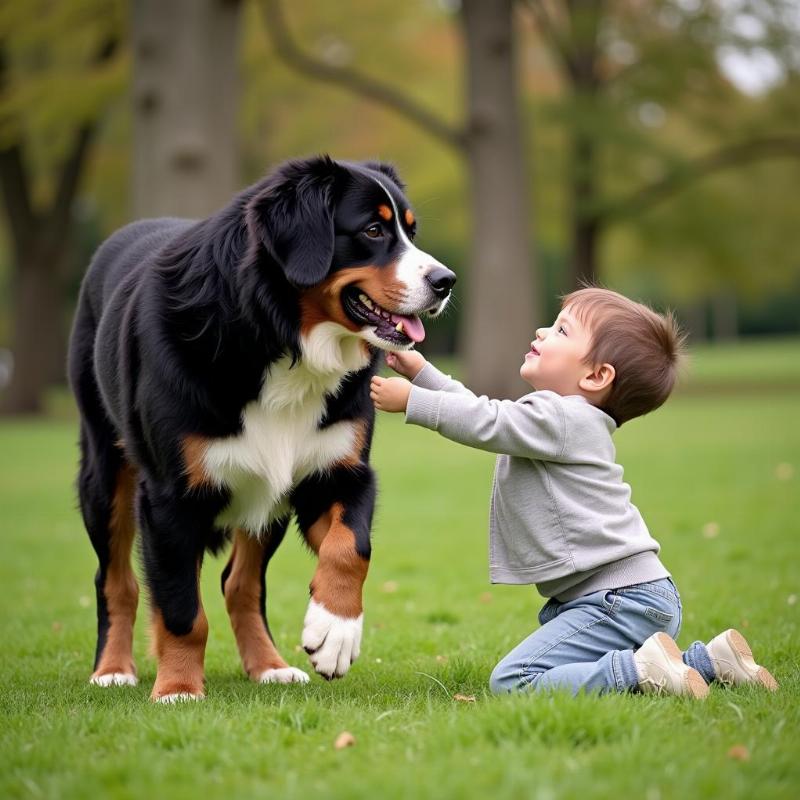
point(504, 678)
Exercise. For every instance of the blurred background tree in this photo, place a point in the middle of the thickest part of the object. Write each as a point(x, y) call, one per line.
point(54, 89)
point(658, 145)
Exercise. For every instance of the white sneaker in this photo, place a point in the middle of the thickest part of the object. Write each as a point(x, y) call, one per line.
point(733, 661)
point(662, 671)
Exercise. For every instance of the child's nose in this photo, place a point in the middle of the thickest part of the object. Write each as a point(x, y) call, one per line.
point(541, 333)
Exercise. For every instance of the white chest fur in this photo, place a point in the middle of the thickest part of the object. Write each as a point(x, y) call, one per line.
point(281, 442)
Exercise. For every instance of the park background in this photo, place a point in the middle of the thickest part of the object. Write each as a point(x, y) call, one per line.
point(650, 145)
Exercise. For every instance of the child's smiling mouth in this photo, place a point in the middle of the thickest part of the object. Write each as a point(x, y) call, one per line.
point(532, 352)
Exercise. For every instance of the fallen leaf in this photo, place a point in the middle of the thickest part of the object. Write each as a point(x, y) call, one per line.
point(390, 587)
point(784, 472)
point(441, 659)
point(57, 627)
point(791, 599)
point(486, 597)
point(464, 698)
point(739, 753)
point(711, 530)
point(344, 739)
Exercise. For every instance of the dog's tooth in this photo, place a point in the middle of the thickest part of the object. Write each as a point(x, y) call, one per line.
point(399, 327)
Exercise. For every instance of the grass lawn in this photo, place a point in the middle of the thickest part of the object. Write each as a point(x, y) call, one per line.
point(716, 475)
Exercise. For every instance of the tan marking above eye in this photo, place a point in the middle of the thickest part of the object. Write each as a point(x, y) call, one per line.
point(409, 217)
point(385, 212)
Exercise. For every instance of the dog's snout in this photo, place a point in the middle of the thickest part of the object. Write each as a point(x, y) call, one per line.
point(441, 280)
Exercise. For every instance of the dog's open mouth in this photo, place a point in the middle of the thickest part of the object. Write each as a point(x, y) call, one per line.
point(394, 328)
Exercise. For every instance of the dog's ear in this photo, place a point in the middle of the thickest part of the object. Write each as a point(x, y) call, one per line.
point(386, 169)
point(292, 217)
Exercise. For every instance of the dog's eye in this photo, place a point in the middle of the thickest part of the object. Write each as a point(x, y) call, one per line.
point(374, 231)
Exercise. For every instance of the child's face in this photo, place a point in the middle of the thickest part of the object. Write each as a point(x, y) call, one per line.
point(556, 358)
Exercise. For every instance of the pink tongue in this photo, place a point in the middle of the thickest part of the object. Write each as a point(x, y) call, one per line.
point(412, 327)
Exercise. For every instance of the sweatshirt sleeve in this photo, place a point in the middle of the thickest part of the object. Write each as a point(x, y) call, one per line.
point(429, 377)
point(532, 427)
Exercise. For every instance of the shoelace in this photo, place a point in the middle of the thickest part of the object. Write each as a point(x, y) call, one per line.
point(658, 685)
point(727, 677)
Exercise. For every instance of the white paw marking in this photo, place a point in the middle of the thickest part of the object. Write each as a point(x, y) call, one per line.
point(179, 697)
point(333, 642)
point(114, 679)
point(283, 675)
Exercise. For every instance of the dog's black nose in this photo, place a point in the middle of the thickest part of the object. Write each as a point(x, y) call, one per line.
point(441, 280)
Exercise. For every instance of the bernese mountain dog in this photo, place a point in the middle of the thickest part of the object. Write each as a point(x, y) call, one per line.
point(222, 371)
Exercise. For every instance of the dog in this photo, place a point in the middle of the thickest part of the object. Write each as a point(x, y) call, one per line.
point(221, 369)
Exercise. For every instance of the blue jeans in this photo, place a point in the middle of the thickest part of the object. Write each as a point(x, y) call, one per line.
point(588, 643)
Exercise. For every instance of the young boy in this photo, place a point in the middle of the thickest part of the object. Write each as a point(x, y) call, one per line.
point(561, 515)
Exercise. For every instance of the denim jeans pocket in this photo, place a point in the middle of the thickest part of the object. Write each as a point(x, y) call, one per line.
point(659, 616)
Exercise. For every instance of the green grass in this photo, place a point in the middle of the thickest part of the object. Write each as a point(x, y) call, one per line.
point(433, 628)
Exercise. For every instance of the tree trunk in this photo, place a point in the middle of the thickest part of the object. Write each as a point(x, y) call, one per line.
point(37, 334)
point(585, 225)
point(185, 101)
point(724, 315)
point(502, 302)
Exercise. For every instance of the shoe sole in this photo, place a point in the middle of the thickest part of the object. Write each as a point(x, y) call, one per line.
point(744, 655)
point(693, 681)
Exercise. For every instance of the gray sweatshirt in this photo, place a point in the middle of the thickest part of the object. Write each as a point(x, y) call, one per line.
point(561, 516)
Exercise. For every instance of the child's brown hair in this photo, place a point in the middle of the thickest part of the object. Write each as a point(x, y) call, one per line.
point(644, 347)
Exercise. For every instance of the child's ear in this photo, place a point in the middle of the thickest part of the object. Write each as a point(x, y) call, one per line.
point(599, 379)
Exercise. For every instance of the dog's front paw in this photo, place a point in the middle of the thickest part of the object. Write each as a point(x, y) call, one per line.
point(283, 675)
point(332, 642)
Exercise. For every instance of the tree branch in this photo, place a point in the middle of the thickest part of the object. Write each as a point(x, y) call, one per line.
point(735, 155)
point(56, 218)
point(356, 82)
point(15, 184)
point(559, 43)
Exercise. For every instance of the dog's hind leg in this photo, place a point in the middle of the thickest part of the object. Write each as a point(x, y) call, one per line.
point(244, 588)
point(106, 484)
point(105, 488)
point(117, 590)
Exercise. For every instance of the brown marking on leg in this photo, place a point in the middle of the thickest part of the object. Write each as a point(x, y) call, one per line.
point(355, 457)
point(120, 588)
point(243, 600)
point(180, 658)
point(341, 571)
point(194, 451)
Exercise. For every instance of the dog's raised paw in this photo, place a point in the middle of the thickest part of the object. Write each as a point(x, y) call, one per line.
point(332, 642)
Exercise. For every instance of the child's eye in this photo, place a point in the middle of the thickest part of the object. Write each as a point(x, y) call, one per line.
point(561, 330)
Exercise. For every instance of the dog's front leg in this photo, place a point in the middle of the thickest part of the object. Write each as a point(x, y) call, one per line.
point(340, 537)
point(173, 537)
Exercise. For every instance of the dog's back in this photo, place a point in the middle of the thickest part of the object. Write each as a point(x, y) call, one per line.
point(127, 251)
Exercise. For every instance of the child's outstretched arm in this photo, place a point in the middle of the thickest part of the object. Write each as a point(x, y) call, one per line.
point(532, 427)
point(389, 394)
point(414, 366)
point(407, 363)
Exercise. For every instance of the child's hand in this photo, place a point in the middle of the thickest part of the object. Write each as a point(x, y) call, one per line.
point(408, 363)
point(390, 394)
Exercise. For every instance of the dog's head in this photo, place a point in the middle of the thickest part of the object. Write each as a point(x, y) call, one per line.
point(342, 234)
